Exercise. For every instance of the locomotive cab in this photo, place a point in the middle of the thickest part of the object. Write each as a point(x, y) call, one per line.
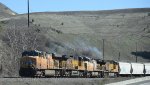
point(101, 64)
point(30, 58)
point(31, 61)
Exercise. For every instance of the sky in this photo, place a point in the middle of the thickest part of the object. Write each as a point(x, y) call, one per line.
point(20, 6)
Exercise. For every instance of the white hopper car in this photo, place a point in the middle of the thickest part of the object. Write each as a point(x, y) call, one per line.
point(147, 68)
point(124, 68)
point(137, 69)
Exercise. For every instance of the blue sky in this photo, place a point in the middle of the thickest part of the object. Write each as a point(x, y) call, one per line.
point(20, 6)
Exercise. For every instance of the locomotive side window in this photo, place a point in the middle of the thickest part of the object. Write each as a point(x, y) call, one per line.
point(42, 54)
point(30, 53)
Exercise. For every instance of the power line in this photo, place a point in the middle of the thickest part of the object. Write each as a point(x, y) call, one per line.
point(28, 13)
point(136, 52)
point(119, 56)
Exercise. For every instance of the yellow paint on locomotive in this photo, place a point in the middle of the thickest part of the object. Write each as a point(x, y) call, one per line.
point(39, 62)
point(88, 66)
point(63, 63)
point(56, 64)
point(116, 68)
point(111, 67)
point(101, 67)
point(81, 65)
point(50, 62)
point(72, 63)
point(94, 65)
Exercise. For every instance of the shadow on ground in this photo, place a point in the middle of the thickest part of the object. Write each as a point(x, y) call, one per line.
point(143, 54)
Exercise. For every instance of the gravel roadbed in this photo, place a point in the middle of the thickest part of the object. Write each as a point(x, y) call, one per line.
point(59, 81)
point(131, 81)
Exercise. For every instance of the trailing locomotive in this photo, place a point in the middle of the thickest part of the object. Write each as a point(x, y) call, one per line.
point(41, 64)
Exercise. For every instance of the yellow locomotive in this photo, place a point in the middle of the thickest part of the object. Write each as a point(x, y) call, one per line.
point(111, 68)
point(37, 64)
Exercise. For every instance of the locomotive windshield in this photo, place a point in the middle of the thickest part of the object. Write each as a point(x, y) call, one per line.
point(31, 53)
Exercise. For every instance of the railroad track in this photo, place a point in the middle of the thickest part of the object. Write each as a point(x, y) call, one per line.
point(73, 77)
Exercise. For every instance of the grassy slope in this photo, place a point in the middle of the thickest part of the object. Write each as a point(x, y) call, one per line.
point(120, 28)
point(5, 11)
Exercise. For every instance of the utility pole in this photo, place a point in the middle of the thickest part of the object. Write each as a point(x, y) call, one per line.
point(28, 14)
point(103, 48)
point(119, 56)
point(119, 47)
point(136, 52)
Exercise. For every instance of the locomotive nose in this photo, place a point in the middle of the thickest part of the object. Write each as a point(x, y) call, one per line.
point(27, 66)
point(29, 63)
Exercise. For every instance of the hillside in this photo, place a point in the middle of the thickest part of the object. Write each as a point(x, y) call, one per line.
point(121, 29)
point(76, 33)
point(5, 11)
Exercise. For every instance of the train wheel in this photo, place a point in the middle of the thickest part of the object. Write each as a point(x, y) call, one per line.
point(102, 75)
point(80, 74)
point(115, 75)
point(70, 74)
point(89, 75)
point(99, 75)
point(85, 73)
point(42, 74)
point(106, 75)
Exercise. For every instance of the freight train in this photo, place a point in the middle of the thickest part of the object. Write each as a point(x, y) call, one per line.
point(35, 63)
